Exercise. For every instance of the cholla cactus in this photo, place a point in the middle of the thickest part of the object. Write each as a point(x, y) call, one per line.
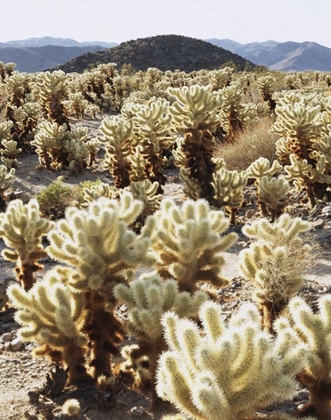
point(314, 330)
point(265, 88)
point(187, 244)
point(226, 371)
point(5, 130)
point(51, 91)
point(304, 146)
point(194, 115)
point(275, 262)
point(147, 299)
point(5, 181)
point(234, 114)
point(138, 165)
point(94, 192)
point(9, 153)
point(101, 248)
point(22, 230)
point(152, 134)
point(49, 313)
point(272, 196)
point(228, 187)
point(147, 193)
point(117, 136)
point(49, 143)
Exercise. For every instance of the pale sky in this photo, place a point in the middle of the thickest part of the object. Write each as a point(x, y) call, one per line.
point(124, 20)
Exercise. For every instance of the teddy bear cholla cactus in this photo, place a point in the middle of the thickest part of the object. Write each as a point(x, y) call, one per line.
point(152, 134)
point(22, 230)
point(194, 115)
point(275, 262)
point(147, 299)
point(187, 244)
point(228, 187)
point(314, 330)
point(117, 137)
point(226, 370)
point(49, 313)
point(98, 244)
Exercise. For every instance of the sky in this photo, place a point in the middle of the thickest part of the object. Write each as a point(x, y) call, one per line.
point(117, 21)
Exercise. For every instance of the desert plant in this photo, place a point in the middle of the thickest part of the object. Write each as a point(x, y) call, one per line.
point(275, 262)
point(226, 370)
point(48, 313)
point(22, 230)
point(55, 198)
point(228, 187)
point(194, 116)
point(98, 244)
point(314, 330)
point(147, 299)
point(187, 244)
point(253, 142)
point(117, 136)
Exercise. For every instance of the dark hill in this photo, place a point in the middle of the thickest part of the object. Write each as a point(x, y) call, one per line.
point(166, 52)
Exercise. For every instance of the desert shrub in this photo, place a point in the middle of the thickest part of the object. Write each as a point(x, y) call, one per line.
point(55, 198)
point(254, 142)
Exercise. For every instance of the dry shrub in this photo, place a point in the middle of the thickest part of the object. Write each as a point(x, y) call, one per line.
point(254, 142)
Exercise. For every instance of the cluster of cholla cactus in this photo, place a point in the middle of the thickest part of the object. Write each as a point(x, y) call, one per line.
point(305, 145)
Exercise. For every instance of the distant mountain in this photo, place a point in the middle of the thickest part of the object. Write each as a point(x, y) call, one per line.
point(48, 40)
point(166, 52)
point(33, 59)
point(282, 56)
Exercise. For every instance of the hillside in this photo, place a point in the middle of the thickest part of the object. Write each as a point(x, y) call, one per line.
point(33, 59)
point(281, 56)
point(166, 52)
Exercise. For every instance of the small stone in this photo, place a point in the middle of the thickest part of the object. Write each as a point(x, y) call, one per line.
point(318, 223)
point(7, 346)
point(6, 337)
point(16, 344)
point(326, 211)
point(137, 411)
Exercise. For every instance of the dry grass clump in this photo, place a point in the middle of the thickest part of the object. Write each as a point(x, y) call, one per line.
point(254, 142)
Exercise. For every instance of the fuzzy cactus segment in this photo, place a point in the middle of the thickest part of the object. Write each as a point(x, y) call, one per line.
point(187, 244)
point(226, 370)
point(22, 230)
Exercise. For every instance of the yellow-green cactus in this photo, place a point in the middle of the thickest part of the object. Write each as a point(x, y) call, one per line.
point(51, 90)
point(228, 189)
point(9, 153)
point(5, 180)
point(194, 116)
point(22, 230)
point(187, 243)
point(147, 193)
point(226, 371)
point(49, 314)
point(314, 330)
point(147, 299)
point(275, 262)
point(234, 114)
point(117, 136)
point(152, 133)
point(102, 249)
point(272, 196)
